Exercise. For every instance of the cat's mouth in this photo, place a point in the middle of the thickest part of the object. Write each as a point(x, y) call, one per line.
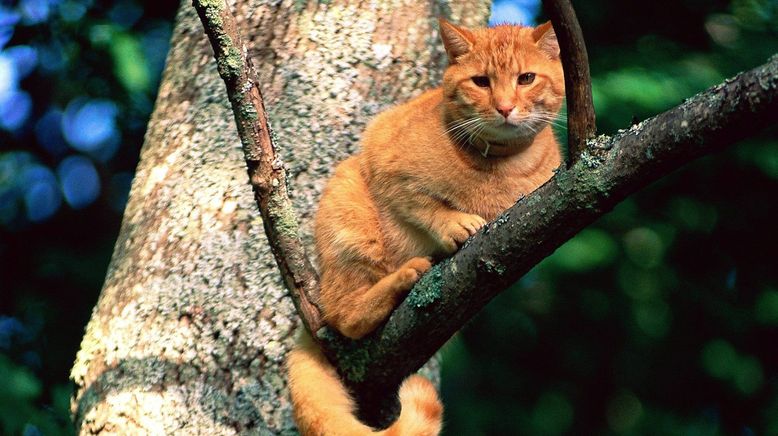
point(509, 129)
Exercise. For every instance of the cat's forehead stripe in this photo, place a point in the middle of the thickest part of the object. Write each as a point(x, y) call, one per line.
point(500, 49)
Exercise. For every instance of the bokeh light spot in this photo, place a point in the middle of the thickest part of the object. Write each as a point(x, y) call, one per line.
point(766, 307)
point(8, 76)
point(653, 318)
point(15, 110)
point(41, 196)
point(80, 181)
point(719, 358)
point(624, 411)
point(639, 284)
point(590, 249)
point(34, 11)
point(107, 149)
point(18, 382)
point(6, 33)
point(89, 124)
point(8, 19)
point(10, 327)
point(24, 58)
point(748, 376)
point(644, 247)
point(553, 414)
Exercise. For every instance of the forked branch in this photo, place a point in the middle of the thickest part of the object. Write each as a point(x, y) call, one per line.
point(578, 82)
point(605, 171)
point(266, 172)
point(608, 170)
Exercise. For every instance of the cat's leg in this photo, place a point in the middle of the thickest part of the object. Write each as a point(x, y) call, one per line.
point(368, 303)
point(448, 227)
point(453, 227)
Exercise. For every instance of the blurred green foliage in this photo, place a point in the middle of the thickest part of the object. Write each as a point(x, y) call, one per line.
point(20, 392)
point(77, 83)
point(662, 317)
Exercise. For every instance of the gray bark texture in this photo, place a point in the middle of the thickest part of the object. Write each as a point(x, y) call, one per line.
point(191, 328)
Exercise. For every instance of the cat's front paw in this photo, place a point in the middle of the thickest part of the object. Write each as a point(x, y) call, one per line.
point(457, 230)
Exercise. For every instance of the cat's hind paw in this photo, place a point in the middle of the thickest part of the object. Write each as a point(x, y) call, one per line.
point(411, 271)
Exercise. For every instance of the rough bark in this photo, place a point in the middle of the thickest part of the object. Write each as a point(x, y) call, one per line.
point(265, 168)
point(609, 169)
point(193, 323)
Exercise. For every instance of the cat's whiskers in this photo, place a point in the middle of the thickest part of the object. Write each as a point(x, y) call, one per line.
point(461, 124)
point(461, 133)
point(460, 128)
point(551, 118)
point(481, 129)
point(475, 134)
point(467, 129)
point(545, 118)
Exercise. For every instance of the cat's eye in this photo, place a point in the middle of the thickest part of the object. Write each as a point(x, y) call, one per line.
point(481, 81)
point(526, 78)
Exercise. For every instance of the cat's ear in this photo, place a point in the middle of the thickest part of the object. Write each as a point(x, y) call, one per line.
point(457, 40)
point(545, 38)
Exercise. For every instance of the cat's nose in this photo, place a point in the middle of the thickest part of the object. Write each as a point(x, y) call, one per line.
point(505, 110)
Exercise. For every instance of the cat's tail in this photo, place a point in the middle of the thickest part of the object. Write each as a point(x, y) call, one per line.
point(323, 406)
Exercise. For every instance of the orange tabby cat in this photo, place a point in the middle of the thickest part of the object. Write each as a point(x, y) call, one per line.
point(431, 172)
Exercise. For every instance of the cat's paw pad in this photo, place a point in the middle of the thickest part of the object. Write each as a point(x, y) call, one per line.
point(412, 270)
point(458, 230)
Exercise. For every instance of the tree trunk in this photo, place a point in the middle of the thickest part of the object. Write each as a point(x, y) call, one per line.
point(193, 323)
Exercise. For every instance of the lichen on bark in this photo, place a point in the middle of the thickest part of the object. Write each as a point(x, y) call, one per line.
point(427, 289)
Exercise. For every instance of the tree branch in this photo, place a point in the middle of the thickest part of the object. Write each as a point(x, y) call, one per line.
point(578, 82)
point(606, 171)
point(266, 171)
point(609, 169)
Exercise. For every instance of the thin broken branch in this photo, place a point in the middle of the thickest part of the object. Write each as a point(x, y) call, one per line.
point(608, 170)
point(578, 82)
point(266, 172)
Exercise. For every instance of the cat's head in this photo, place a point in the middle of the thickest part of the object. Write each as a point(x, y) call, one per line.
point(503, 83)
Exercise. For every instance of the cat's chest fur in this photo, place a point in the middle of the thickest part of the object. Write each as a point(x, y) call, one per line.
point(488, 186)
point(489, 191)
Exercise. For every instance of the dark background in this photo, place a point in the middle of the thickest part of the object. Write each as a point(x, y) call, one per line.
point(661, 318)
